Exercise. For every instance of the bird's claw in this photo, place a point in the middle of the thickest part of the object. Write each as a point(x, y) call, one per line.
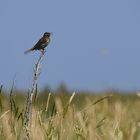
point(43, 51)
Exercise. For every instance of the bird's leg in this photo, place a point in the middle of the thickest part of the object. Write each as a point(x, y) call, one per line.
point(42, 51)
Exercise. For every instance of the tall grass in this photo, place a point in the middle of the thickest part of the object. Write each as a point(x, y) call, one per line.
point(78, 117)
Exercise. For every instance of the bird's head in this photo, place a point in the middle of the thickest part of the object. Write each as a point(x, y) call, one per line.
point(47, 34)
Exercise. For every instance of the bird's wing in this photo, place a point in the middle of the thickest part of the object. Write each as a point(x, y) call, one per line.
point(39, 44)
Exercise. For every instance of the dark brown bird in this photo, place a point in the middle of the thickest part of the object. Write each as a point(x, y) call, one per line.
point(41, 44)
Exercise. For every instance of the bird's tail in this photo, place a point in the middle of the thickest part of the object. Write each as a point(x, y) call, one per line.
point(28, 51)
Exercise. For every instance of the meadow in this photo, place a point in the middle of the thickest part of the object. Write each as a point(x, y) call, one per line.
point(66, 115)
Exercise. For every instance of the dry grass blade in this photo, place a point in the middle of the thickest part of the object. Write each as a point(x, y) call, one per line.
point(97, 101)
point(4, 114)
point(21, 116)
point(11, 98)
point(67, 106)
point(71, 98)
point(101, 122)
point(47, 104)
point(13, 106)
point(53, 112)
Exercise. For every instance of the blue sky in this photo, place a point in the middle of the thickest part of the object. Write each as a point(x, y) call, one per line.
point(95, 43)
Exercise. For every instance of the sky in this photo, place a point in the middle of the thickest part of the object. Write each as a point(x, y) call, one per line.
point(95, 43)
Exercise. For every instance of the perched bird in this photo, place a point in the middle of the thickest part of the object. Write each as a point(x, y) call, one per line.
point(41, 44)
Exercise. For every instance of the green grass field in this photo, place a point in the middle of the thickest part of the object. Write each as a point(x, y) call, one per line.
point(63, 116)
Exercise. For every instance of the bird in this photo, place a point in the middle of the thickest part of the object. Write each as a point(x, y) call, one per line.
point(41, 44)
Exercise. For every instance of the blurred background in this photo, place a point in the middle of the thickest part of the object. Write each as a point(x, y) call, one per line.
point(95, 45)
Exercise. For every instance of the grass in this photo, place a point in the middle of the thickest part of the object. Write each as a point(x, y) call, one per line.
point(62, 116)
